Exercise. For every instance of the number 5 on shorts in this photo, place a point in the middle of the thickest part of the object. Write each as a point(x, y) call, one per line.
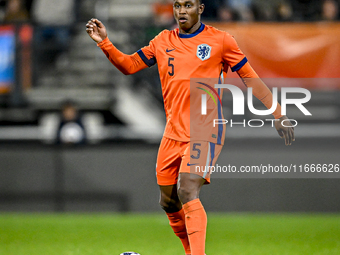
point(195, 149)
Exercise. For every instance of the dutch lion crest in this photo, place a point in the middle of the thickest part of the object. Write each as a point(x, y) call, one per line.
point(203, 51)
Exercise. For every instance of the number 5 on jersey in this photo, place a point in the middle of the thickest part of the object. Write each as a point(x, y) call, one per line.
point(171, 67)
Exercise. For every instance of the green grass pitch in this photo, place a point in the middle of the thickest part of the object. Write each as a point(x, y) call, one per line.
point(150, 234)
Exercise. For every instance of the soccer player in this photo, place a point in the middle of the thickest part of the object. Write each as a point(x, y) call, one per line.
point(194, 50)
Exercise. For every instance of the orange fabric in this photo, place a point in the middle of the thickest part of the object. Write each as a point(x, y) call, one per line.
point(176, 157)
point(177, 223)
point(177, 61)
point(127, 64)
point(247, 72)
point(178, 58)
point(260, 90)
point(202, 127)
point(196, 224)
point(169, 160)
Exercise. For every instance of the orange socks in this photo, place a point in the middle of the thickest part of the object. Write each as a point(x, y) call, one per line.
point(190, 224)
point(177, 222)
point(196, 224)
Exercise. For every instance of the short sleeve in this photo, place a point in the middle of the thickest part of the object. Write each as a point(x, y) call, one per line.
point(232, 55)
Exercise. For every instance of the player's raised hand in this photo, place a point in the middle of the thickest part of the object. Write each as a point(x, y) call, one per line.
point(286, 131)
point(96, 30)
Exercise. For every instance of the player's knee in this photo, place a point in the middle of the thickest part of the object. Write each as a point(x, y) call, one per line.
point(170, 205)
point(186, 194)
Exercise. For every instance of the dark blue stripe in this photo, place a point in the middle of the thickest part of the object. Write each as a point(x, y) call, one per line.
point(220, 126)
point(193, 34)
point(148, 62)
point(239, 65)
point(212, 153)
point(219, 111)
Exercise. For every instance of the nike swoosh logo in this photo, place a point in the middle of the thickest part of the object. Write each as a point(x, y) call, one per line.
point(167, 50)
point(191, 164)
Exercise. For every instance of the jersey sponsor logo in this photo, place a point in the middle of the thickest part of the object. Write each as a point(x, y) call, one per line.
point(203, 51)
point(167, 50)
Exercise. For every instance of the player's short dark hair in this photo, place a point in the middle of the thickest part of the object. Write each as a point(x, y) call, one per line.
point(200, 1)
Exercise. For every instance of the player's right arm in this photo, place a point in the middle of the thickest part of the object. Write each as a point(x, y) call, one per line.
point(127, 64)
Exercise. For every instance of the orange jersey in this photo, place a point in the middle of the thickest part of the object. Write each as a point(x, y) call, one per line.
point(207, 53)
point(180, 57)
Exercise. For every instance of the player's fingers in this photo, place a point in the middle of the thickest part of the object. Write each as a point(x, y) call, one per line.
point(91, 24)
point(89, 27)
point(92, 27)
point(286, 137)
point(289, 137)
point(280, 133)
point(98, 22)
point(293, 134)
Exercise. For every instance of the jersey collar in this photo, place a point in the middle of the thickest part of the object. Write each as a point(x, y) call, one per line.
point(193, 34)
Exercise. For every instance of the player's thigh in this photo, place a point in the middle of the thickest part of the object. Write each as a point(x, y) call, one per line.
point(199, 158)
point(168, 162)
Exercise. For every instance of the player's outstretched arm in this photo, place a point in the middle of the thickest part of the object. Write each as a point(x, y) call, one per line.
point(261, 91)
point(127, 64)
point(285, 129)
point(96, 30)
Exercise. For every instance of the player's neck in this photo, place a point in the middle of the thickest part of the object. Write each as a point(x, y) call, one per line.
point(192, 30)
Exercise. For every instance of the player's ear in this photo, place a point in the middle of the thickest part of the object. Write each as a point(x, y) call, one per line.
point(201, 8)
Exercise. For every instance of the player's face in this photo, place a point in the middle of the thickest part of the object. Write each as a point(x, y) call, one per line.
point(187, 13)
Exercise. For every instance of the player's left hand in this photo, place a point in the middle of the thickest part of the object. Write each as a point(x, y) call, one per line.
point(286, 131)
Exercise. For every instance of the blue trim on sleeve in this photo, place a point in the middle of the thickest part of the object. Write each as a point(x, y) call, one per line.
point(239, 65)
point(149, 62)
point(212, 153)
point(193, 34)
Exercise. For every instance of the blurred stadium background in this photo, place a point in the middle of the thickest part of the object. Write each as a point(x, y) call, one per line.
point(48, 63)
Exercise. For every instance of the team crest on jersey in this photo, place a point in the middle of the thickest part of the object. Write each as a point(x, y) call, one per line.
point(203, 51)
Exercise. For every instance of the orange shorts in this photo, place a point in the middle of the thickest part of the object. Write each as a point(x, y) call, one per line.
point(176, 157)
